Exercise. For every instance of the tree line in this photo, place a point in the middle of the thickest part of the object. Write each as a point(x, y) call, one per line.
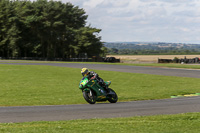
point(137, 48)
point(47, 29)
point(172, 51)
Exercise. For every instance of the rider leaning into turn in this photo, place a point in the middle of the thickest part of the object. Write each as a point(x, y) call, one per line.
point(91, 74)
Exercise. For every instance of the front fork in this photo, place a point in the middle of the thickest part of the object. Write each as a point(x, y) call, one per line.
point(90, 94)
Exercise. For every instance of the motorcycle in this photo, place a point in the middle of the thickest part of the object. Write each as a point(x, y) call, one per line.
point(93, 92)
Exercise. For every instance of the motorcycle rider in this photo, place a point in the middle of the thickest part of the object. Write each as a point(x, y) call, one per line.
point(93, 75)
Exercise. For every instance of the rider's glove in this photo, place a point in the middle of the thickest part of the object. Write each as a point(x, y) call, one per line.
point(93, 77)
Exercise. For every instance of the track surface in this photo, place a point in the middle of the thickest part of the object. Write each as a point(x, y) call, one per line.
point(101, 110)
point(104, 110)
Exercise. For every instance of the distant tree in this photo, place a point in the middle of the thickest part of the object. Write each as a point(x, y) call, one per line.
point(49, 29)
point(114, 50)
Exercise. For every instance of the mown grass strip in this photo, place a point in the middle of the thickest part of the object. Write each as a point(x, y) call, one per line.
point(22, 85)
point(179, 123)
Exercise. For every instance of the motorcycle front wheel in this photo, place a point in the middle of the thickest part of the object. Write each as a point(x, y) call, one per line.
point(89, 97)
point(114, 97)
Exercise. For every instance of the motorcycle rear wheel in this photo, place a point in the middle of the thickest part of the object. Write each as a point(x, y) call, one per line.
point(113, 98)
point(89, 97)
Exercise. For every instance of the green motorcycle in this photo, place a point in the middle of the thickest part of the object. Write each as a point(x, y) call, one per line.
point(93, 92)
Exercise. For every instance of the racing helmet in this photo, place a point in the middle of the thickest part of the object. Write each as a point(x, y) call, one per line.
point(84, 72)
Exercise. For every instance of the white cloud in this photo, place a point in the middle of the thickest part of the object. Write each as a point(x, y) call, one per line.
point(144, 20)
point(92, 3)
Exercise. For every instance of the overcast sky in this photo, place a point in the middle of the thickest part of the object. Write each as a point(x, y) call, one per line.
point(144, 20)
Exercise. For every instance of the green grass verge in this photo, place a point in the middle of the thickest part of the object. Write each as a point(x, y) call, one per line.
point(22, 85)
point(179, 123)
point(170, 65)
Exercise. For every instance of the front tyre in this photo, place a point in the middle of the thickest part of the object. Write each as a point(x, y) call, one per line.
point(89, 97)
point(113, 98)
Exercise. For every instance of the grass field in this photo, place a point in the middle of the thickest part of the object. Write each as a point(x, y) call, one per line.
point(170, 65)
point(148, 58)
point(49, 85)
point(179, 123)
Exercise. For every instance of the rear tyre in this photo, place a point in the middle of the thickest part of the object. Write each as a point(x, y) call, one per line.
point(113, 98)
point(89, 97)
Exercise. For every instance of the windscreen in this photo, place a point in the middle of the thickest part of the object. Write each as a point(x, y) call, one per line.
point(84, 81)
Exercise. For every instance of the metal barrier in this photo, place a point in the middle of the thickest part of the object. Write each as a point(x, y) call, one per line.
point(93, 59)
point(176, 60)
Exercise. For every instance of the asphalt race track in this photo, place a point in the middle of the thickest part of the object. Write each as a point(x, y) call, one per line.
point(99, 110)
point(105, 110)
